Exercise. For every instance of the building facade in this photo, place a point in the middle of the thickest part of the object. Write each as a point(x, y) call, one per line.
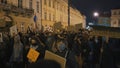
point(104, 19)
point(115, 18)
point(23, 13)
point(29, 13)
point(54, 11)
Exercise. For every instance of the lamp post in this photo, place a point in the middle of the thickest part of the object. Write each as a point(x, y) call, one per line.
point(96, 15)
point(69, 12)
point(41, 17)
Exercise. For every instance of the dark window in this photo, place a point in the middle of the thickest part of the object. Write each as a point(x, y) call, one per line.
point(114, 13)
point(37, 7)
point(30, 4)
point(45, 2)
point(53, 4)
point(20, 3)
point(61, 18)
point(53, 17)
point(60, 8)
point(114, 23)
point(45, 16)
point(4, 1)
point(57, 6)
point(119, 23)
point(119, 12)
point(49, 3)
point(50, 17)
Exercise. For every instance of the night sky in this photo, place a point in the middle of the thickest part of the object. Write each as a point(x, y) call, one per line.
point(87, 7)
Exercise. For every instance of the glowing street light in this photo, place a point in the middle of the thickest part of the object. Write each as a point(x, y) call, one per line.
point(96, 14)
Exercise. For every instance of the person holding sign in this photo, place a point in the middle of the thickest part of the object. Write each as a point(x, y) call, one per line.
point(36, 51)
point(33, 55)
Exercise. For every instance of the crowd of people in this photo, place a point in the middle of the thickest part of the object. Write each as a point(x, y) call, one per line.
point(80, 49)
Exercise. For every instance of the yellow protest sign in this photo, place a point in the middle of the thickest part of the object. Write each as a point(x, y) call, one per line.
point(33, 55)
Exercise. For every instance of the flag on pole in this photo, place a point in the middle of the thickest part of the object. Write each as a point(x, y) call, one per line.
point(35, 18)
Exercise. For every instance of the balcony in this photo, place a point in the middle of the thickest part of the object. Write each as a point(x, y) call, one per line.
point(29, 12)
point(16, 10)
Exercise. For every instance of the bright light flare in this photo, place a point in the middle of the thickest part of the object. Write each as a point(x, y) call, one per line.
point(96, 14)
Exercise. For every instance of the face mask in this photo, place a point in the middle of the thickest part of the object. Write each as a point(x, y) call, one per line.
point(61, 46)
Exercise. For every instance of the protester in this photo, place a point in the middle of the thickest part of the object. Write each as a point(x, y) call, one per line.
point(79, 50)
point(17, 54)
point(36, 45)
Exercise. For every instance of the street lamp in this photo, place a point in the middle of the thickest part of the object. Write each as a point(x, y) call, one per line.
point(95, 15)
point(68, 12)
